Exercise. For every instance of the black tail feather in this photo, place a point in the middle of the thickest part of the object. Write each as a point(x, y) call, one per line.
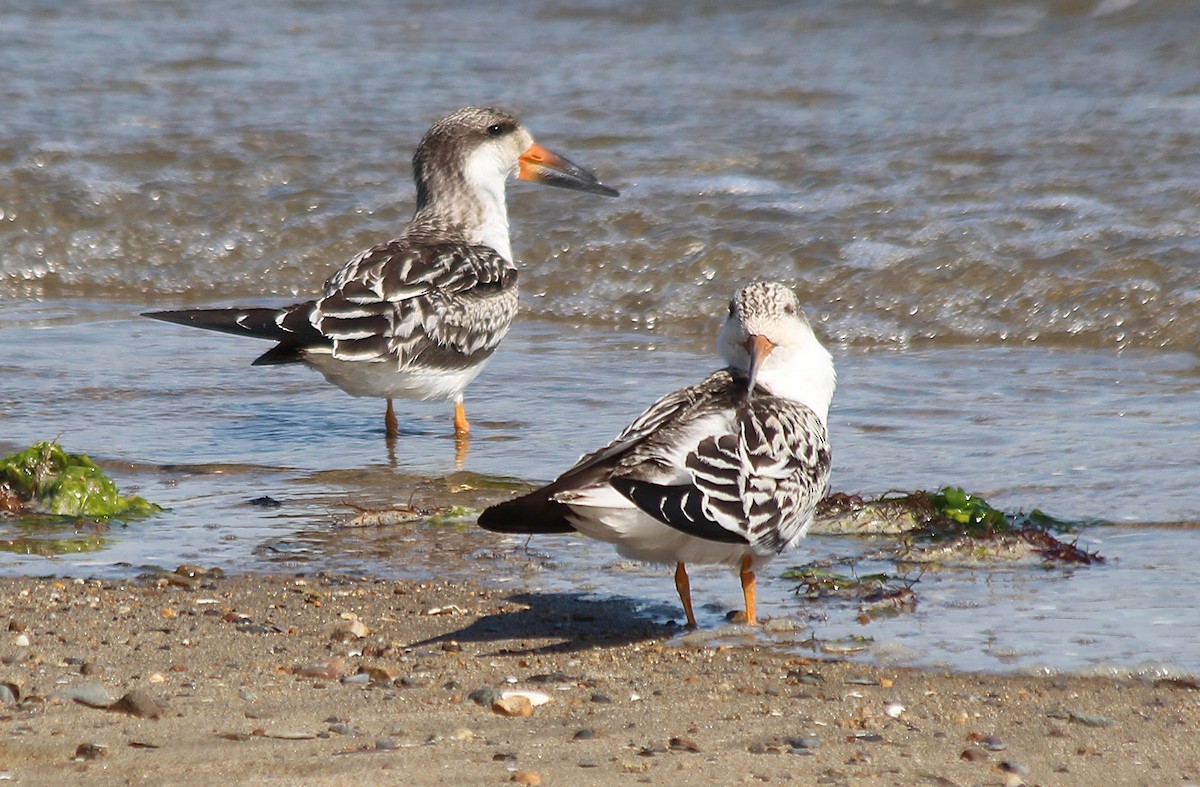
point(289, 326)
point(531, 513)
point(260, 323)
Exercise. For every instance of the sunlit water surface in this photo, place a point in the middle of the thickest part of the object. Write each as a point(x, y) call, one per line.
point(1086, 435)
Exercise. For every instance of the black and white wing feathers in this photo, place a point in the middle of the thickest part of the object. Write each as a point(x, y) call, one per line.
point(541, 512)
point(437, 304)
point(757, 481)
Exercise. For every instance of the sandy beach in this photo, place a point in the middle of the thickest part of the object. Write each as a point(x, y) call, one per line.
point(203, 678)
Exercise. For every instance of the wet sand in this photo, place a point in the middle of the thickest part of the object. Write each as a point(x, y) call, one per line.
point(274, 679)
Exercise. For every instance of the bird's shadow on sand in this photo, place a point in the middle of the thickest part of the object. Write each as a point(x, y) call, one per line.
point(564, 623)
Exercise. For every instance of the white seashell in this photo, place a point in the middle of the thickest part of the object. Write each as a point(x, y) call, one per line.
point(535, 698)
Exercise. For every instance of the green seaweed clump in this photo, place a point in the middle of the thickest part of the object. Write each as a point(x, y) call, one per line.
point(970, 510)
point(980, 519)
point(46, 479)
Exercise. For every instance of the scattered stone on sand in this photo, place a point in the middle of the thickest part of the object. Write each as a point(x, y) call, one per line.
point(90, 751)
point(289, 735)
point(139, 704)
point(329, 669)
point(601, 699)
point(529, 778)
point(94, 695)
point(683, 744)
point(9, 694)
point(726, 699)
point(1090, 719)
point(515, 705)
point(486, 696)
point(347, 629)
point(378, 674)
point(989, 742)
point(804, 742)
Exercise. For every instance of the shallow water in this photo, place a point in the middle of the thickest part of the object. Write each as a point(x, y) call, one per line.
point(991, 209)
point(1086, 435)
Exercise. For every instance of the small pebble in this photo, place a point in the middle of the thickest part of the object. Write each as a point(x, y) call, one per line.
point(331, 669)
point(342, 729)
point(7, 697)
point(1091, 719)
point(90, 668)
point(973, 755)
point(804, 742)
point(866, 737)
point(22, 641)
point(486, 696)
point(992, 743)
point(529, 778)
point(253, 628)
point(358, 679)
point(90, 751)
point(139, 704)
point(379, 674)
point(290, 735)
point(1008, 766)
point(602, 699)
point(588, 764)
point(683, 744)
point(347, 630)
point(91, 694)
point(805, 678)
point(517, 705)
point(584, 735)
point(893, 710)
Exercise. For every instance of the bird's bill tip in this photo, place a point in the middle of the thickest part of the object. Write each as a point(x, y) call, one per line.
point(759, 347)
point(540, 165)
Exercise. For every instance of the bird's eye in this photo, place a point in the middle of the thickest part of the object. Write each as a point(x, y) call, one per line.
point(790, 309)
point(495, 130)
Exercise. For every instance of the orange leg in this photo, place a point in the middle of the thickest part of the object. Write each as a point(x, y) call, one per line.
point(462, 446)
point(748, 591)
point(461, 427)
point(684, 586)
point(389, 419)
